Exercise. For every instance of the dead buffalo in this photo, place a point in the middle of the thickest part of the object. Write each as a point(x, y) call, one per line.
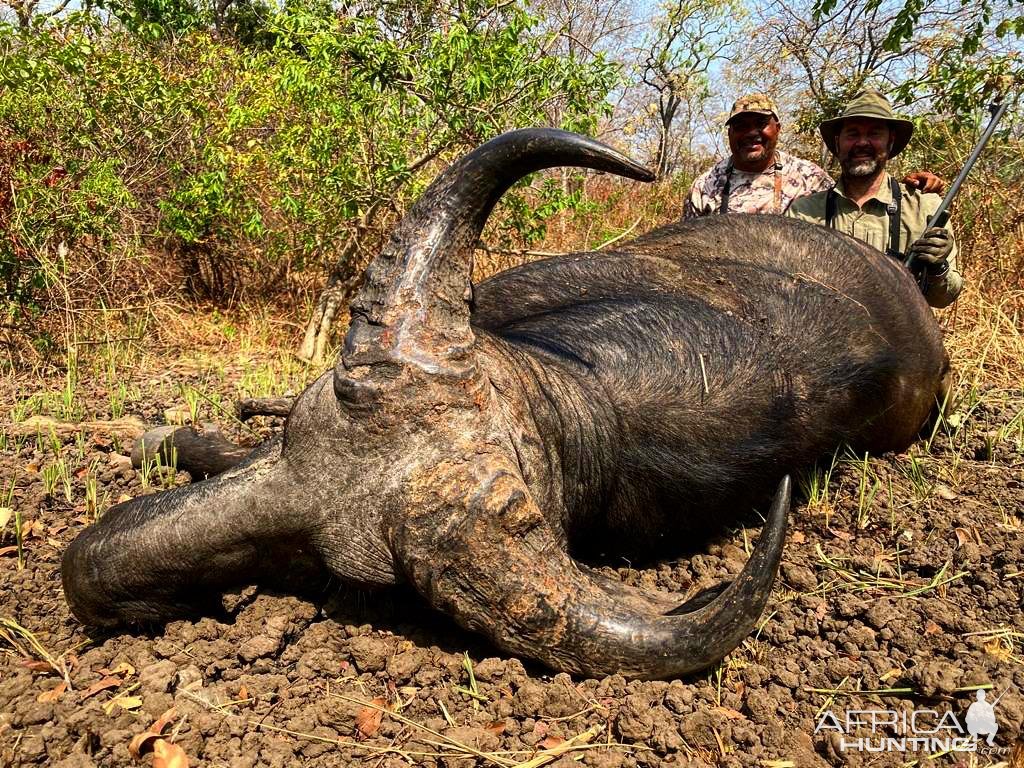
point(468, 436)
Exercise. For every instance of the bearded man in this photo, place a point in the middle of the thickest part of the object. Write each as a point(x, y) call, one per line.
point(870, 205)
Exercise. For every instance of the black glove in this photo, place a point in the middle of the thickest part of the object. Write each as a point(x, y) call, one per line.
point(932, 249)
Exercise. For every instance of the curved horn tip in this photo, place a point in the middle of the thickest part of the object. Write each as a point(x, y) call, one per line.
point(557, 139)
point(782, 501)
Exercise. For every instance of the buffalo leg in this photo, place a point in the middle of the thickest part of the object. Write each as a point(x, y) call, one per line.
point(201, 454)
point(263, 406)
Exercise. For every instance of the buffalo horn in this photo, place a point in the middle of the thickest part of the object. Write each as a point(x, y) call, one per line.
point(414, 304)
point(506, 574)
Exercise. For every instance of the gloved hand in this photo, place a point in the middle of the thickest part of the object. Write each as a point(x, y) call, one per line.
point(925, 181)
point(932, 249)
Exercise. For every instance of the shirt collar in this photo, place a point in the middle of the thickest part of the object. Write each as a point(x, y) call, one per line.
point(883, 194)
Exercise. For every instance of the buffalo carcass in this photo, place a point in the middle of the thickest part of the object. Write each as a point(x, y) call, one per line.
point(469, 436)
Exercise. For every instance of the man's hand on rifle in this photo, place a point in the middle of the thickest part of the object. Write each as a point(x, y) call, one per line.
point(932, 249)
point(925, 181)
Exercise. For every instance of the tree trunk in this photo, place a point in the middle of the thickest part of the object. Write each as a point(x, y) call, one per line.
point(339, 284)
point(318, 329)
point(668, 108)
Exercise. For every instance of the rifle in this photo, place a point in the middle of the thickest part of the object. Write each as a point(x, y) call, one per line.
point(938, 219)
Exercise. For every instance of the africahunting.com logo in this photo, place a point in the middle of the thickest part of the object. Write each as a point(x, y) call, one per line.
point(887, 730)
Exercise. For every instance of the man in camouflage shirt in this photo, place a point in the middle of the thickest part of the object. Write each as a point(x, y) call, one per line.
point(758, 177)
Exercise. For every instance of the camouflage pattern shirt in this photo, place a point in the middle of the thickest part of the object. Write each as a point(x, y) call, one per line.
point(755, 192)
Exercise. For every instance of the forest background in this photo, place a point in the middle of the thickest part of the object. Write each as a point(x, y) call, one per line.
point(171, 169)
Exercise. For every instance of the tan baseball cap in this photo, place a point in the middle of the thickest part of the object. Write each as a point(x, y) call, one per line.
point(758, 103)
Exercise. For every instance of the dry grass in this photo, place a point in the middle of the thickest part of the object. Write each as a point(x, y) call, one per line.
point(985, 336)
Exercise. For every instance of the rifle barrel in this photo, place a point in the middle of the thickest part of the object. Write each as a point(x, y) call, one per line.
point(996, 109)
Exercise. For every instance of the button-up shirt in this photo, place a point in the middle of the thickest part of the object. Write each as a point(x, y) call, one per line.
point(870, 223)
point(755, 192)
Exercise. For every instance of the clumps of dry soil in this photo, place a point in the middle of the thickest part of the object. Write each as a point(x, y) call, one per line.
point(901, 589)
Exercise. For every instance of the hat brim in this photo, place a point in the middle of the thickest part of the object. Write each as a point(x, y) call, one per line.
point(751, 112)
point(902, 131)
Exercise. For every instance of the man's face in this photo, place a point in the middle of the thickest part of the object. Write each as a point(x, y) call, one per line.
point(752, 139)
point(863, 144)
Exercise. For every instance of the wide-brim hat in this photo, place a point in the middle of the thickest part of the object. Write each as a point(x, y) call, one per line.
point(874, 105)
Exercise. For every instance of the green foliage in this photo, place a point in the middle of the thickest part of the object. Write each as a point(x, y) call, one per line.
point(257, 152)
point(906, 20)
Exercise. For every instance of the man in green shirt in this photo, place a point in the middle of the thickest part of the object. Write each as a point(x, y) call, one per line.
point(870, 205)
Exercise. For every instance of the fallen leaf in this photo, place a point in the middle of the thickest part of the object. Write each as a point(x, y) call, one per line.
point(730, 714)
point(167, 755)
point(32, 467)
point(8, 550)
point(53, 694)
point(931, 628)
point(368, 719)
point(552, 741)
point(54, 176)
point(124, 497)
point(962, 536)
point(6, 513)
point(124, 702)
point(101, 685)
point(243, 692)
point(889, 675)
point(83, 520)
point(798, 537)
point(54, 543)
point(821, 611)
point(37, 666)
point(945, 492)
point(996, 647)
point(164, 720)
point(124, 668)
point(540, 728)
point(31, 528)
point(842, 535)
point(497, 727)
point(143, 742)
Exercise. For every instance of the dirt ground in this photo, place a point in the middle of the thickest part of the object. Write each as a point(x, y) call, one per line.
point(900, 592)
